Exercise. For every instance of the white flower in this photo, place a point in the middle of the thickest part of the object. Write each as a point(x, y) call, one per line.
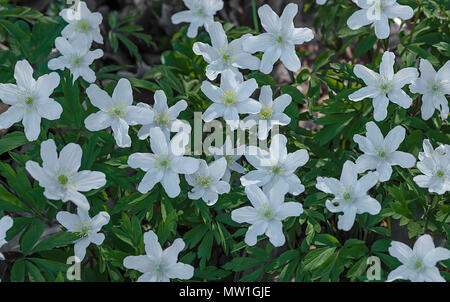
point(350, 194)
point(266, 214)
point(271, 113)
point(76, 57)
point(222, 55)
point(385, 86)
point(433, 86)
point(82, 24)
point(429, 151)
point(378, 12)
point(230, 99)
point(200, 13)
point(418, 264)
point(85, 227)
point(164, 164)
point(29, 100)
point(59, 176)
point(5, 224)
point(275, 167)
point(231, 155)
point(381, 153)
point(280, 38)
point(164, 117)
point(206, 181)
point(159, 265)
point(321, 2)
point(435, 166)
point(116, 112)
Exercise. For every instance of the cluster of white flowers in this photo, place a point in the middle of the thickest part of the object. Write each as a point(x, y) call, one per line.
point(275, 169)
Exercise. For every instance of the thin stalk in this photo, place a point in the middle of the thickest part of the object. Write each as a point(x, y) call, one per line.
point(255, 16)
point(413, 28)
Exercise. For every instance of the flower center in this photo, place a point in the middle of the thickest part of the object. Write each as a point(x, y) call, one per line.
point(159, 268)
point(82, 26)
point(347, 196)
point(279, 39)
point(227, 55)
point(386, 85)
point(201, 12)
point(440, 173)
point(162, 161)
point(229, 98)
point(277, 171)
point(162, 120)
point(265, 211)
point(118, 109)
point(266, 112)
point(76, 61)
point(381, 154)
point(63, 179)
point(28, 101)
point(203, 181)
point(83, 229)
point(229, 159)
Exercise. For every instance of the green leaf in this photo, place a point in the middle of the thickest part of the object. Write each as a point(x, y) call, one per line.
point(60, 239)
point(31, 235)
point(12, 141)
point(323, 59)
point(18, 271)
point(316, 257)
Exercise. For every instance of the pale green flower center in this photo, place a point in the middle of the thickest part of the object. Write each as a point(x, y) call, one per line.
point(82, 26)
point(279, 39)
point(201, 12)
point(440, 173)
point(386, 85)
point(204, 181)
point(162, 119)
point(162, 161)
point(83, 229)
point(76, 61)
point(159, 268)
point(418, 264)
point(265, 211)
point(277, 171)
point(229, 159)
point(118, 109)
point(381, 154)
point(227, 55)
point(229, 98)
point(28, 101)
point(347, 196)
point(63, 179)
point(266, 112)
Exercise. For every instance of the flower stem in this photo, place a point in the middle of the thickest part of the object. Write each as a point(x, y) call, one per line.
point(255, 16)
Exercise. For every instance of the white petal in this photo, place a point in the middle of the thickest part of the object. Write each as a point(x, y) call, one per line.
point(380, 104)
point(328, 185)
point(349, 175)
point(32, 124)
point(387, 65)
point(245, 214)
point(152, 246)
point(140, 263)
point(403, 12)
point(275, 233)
point(150, 179)
point(269, 19)
point(259, 228)
point(170, 254)
point(290, 58)
point(217, 34)
point(171, 183)
point(400, 251)
point(23, 73)
point(185, 165)
point(289, 209)
point(270, 56)
point(368, 205)
point(369, 76)
point(70, 157)
point(400, 272)
point(400, 97)
point(80, 249)
point(123, 92)
point(382, 28)
point(394, 138)
point(180, 271)
point(98, 121)
point(68, 220)
point(365, 92)
point(13, 115)
point(98, 97)
point(358, 19)
point(89, 180)
point(405, 76)
point(403, 159)
point(423, 245)
point(49, 109)
point(256, 196)
point(436, 255)
point(346, 221)
point(259, 43)
point(158, 141)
